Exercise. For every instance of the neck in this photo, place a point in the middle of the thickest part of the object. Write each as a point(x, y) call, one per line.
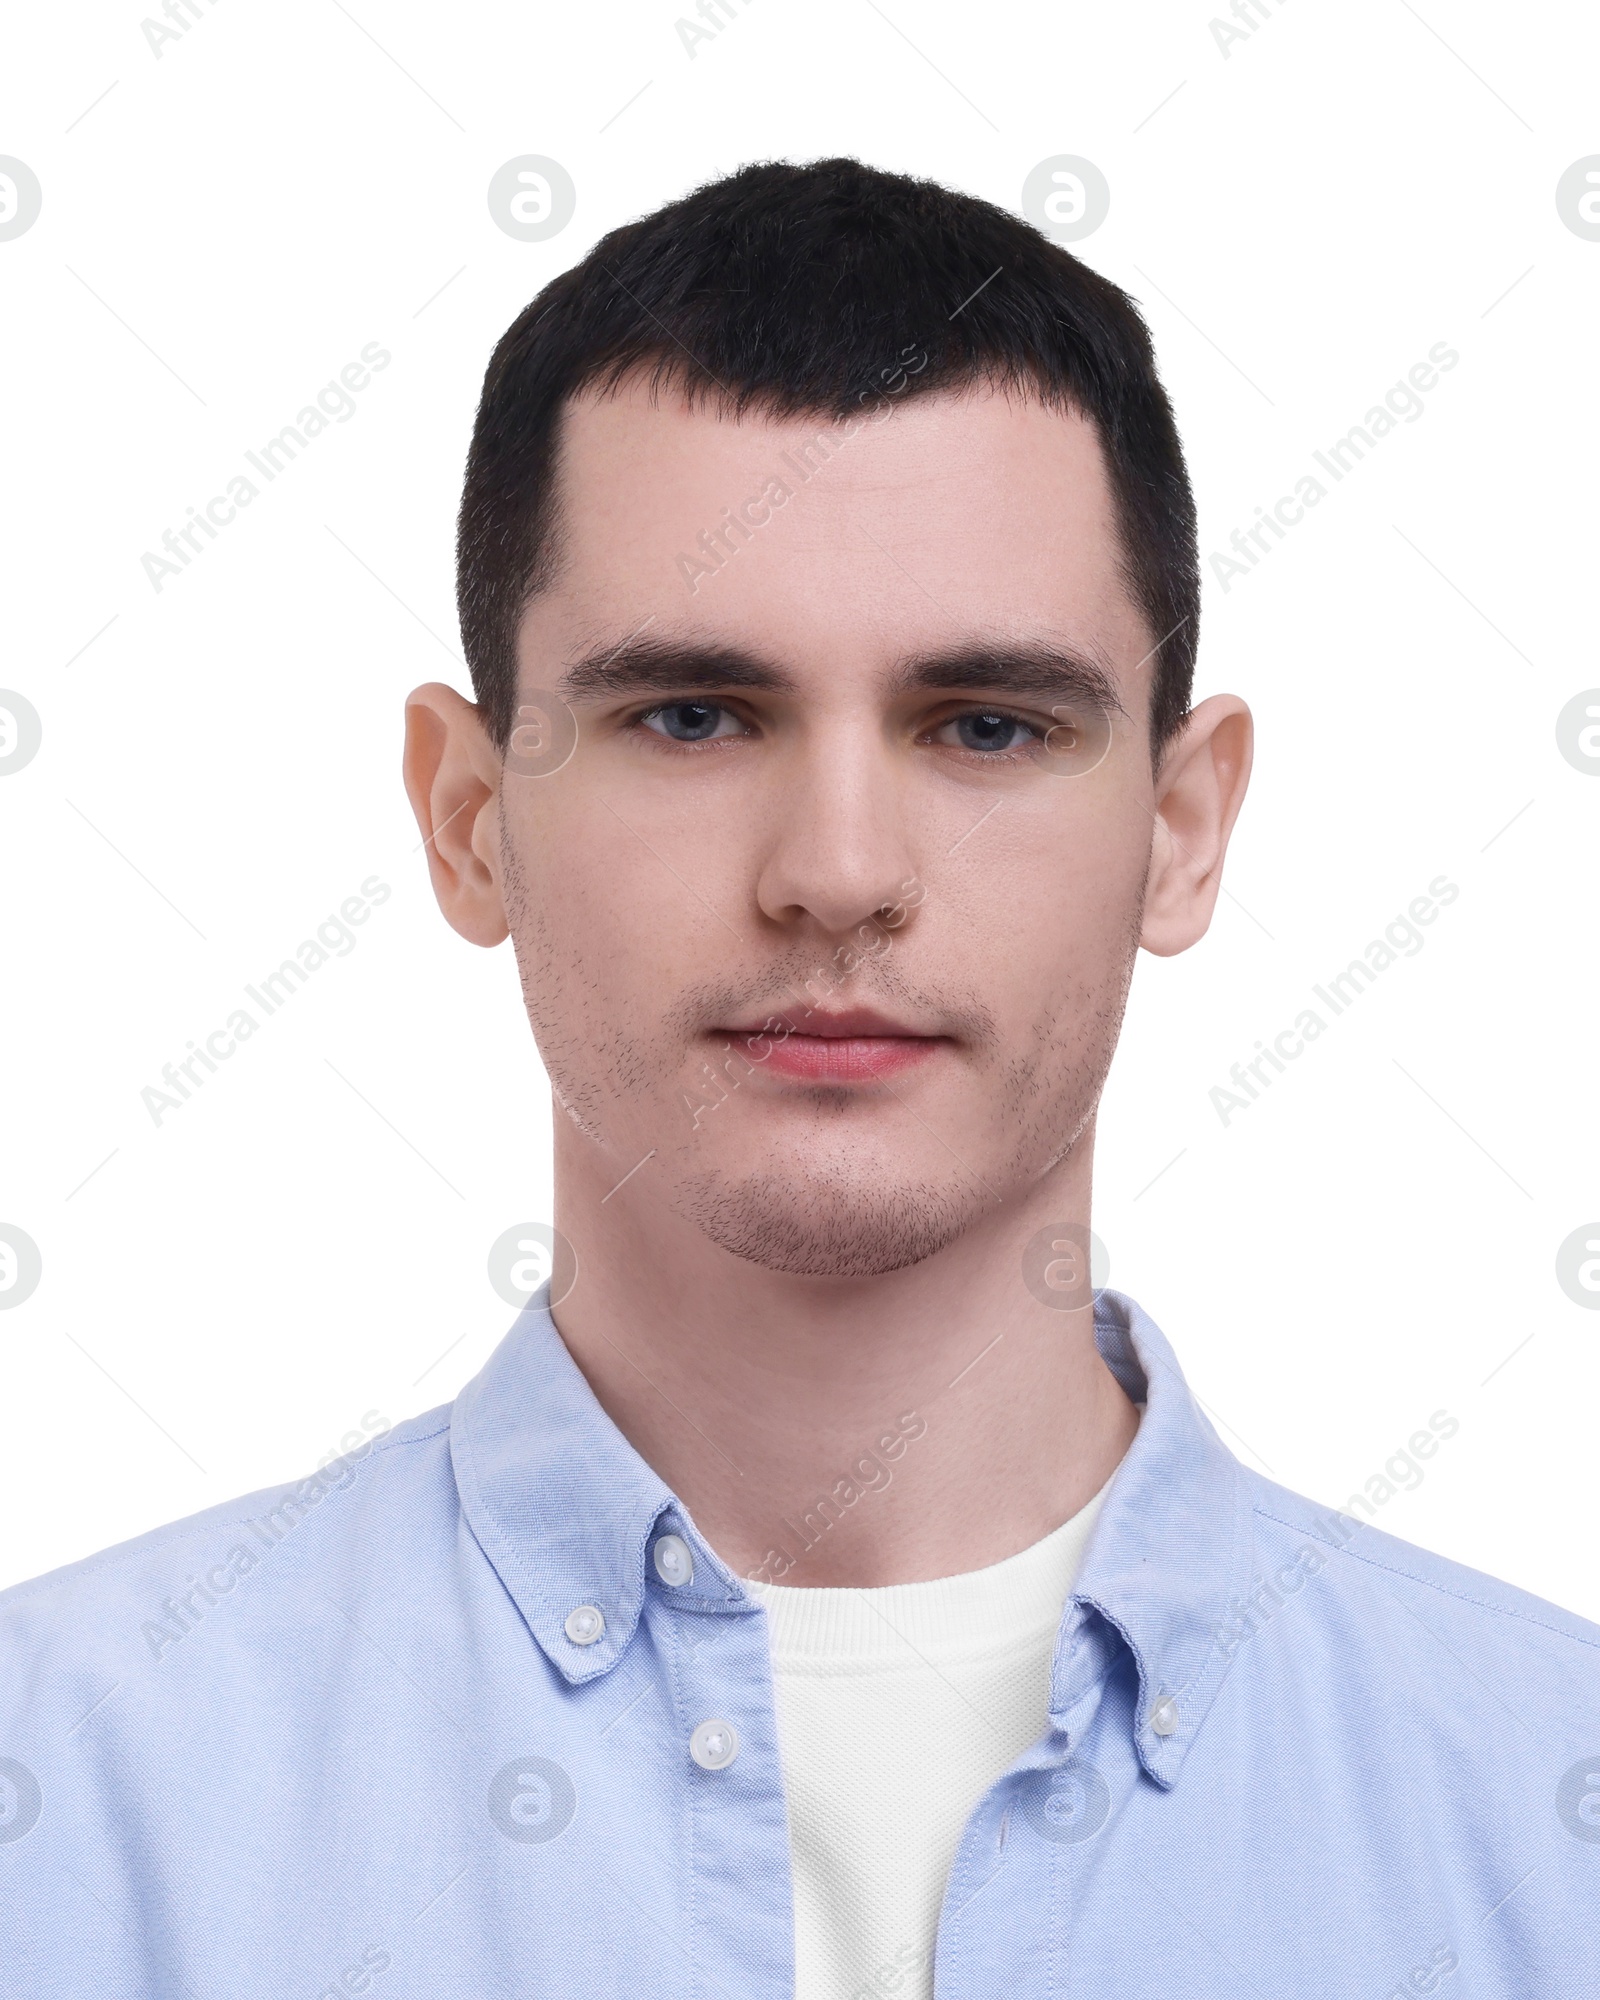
point(843, 1431)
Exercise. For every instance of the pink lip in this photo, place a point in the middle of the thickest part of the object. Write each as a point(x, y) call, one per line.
point(848, 1058)
point(855, 1046)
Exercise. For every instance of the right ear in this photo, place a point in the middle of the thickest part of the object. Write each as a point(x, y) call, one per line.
point(452, 777)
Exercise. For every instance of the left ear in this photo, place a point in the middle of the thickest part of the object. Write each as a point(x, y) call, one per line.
point(452, 777)
point(1199, 790)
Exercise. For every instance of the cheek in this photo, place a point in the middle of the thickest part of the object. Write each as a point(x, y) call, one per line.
point(1059, 903)
point(1057, 984)
point(607, 932)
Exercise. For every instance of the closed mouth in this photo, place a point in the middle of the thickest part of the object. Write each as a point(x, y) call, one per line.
point(840, 1046)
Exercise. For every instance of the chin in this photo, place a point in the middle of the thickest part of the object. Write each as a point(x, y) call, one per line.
point(811, 1228)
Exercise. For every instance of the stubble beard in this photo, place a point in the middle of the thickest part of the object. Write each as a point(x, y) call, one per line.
point(817, 1210)
point(823, 1215)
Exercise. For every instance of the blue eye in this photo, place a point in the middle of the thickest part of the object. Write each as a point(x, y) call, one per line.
point(987, 730)
point(689, 721)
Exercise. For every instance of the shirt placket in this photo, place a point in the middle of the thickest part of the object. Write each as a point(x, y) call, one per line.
point(1016, 1889)
point(736, 1868)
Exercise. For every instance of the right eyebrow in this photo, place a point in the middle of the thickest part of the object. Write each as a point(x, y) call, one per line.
point(643, 666)
point(1043, 670)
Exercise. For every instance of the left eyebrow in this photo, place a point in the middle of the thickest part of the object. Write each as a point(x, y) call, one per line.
point(669, 666)
point(1029, 668)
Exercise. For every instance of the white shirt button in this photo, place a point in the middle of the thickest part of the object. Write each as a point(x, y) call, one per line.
point(1164, 1716)
point(714, 1745)
point(585, 1624)
point(674, 1561)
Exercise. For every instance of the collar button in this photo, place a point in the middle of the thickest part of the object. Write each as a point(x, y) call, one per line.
point(585, 1624)
point(1164, 1716)
point(674, 1561)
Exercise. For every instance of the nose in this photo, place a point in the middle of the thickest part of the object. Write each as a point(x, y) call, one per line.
point(838, 851)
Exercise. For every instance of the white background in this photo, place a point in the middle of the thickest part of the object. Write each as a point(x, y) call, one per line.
point(227, 224)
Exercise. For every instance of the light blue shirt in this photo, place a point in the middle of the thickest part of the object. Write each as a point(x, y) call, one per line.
point(433, 1724)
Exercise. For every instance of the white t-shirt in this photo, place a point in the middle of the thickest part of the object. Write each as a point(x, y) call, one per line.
point(897, 1709)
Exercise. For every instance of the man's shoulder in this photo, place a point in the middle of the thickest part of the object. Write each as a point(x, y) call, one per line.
point(1381, 1595)
point(166, 1578)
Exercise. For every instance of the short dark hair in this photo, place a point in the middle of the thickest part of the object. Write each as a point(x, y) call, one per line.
point(787, 288)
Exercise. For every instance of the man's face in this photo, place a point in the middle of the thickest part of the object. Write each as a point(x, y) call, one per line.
point(819, 913)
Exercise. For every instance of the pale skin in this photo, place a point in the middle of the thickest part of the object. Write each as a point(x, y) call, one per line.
point(790, 1272)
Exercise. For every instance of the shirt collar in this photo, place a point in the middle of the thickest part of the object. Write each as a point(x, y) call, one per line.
point(561, 1503)
point(565, 1509)
point(1173, 1545)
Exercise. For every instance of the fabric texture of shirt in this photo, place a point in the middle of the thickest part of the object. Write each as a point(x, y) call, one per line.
point(432, 1724)
point(865, 1680)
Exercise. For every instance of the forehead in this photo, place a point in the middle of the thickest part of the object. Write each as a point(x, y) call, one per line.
point(933, 518)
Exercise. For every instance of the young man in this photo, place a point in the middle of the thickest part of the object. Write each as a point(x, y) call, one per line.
point(824, 1589)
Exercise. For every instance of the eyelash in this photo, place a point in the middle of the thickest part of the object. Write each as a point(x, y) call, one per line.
point(637, 722)
point(1037, 730)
